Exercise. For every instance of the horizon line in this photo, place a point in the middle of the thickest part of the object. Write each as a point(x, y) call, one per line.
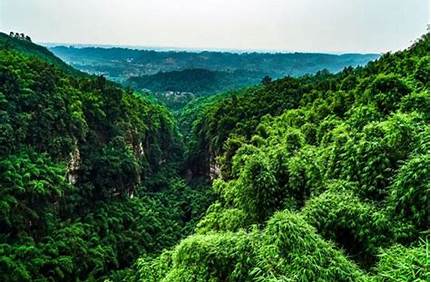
point(200, 49)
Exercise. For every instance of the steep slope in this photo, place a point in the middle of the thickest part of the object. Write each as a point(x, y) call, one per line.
point(26, 47)
point(320, 178)
point(239, 114)
point(87, 170)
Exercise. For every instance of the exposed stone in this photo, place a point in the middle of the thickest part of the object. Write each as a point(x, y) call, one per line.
point(215, 171)
point(73, 166)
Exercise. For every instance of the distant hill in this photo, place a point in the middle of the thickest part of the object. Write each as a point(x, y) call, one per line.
point(119, 64)
point(176, 88)
point(200, 81)
point(176, 77)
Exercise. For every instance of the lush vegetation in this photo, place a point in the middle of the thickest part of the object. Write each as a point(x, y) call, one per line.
point(176, 88)
point(199, 81)
point(87, 173)
point(326, 180)
point(176, 78)
point(321, 177)
point(25, 46)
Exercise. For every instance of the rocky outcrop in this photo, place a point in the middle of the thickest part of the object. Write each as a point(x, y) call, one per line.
point(73, 166)
point(214, 169)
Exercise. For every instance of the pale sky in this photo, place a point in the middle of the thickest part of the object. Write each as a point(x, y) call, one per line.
point(289, 25)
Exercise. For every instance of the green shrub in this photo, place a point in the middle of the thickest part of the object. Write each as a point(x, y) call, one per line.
point(386, 90)
point(409, 194)
point(215, 257)
point(292, 251)
point(356, 226)
point(218, 218)
point(400, 263)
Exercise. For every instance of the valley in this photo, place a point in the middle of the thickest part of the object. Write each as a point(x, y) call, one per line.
point(138, 165)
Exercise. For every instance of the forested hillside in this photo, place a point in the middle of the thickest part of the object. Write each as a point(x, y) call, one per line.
point(176, 88)
point(121, 63)
point(175, 78)
point(321, 177)
point(25, 46)
point(199, 81)
point(318, 178)
point(87, 173)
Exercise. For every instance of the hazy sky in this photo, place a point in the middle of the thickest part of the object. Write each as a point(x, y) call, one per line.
point(291, 25)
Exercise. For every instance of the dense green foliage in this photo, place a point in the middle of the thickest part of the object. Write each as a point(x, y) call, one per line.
point(198, 81)
point(176, 78)
point(88, 176)
point(318, 178)
point(28, 48)
point(176, 88)
point(321, 177)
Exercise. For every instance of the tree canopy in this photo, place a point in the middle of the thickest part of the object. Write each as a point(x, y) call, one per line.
point(321, 177)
